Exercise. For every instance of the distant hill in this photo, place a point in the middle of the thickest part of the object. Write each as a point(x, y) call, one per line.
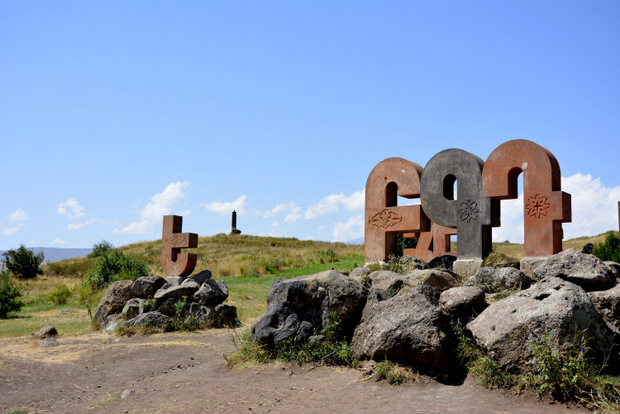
point(359, 240)
point(54, 254)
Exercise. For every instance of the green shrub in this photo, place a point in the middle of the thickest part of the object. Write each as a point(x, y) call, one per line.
point(115, 265)
point(563, 372)
point(61, 295)
point(23, 263)
point(101, 248)
point(327, 256)
point(610, 249)
point(9, 294)
point(329, 347)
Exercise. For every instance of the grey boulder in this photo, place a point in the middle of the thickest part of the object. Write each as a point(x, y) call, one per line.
point(552, 307)
point(146, 286)
point(408, 328)
point(211, 293)
point(113, 300)
point(583, 269)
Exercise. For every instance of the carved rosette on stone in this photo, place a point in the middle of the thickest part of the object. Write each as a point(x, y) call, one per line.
point(389, 179)
point(546, 207)
point(173, 261)
point(472, 214)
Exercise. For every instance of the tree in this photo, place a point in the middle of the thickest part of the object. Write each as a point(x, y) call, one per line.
point(23, 263)
point(9, 294)
point(99, 249)
point(610, 249)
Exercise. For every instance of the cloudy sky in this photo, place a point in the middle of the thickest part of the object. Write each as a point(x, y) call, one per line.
point(115, 113)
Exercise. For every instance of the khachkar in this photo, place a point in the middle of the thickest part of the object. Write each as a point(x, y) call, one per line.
point(473, 209)
point(173, 261)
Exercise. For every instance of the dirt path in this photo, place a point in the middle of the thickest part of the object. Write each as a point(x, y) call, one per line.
point(185, 373)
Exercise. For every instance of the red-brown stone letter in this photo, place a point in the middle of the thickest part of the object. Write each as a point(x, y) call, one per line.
point(173, 261)
point(384, 220)
point(546, 207)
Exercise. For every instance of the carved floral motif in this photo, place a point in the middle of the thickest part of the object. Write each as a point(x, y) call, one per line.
point(537, 206)
point(385, 219)
point(469, 211)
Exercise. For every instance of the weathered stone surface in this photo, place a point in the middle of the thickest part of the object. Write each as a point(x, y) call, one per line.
point(551, 307)
point(175, 280)
point(114, 299)
point(438, 279)
point(607, 304)
point(389, 281)
point(583, 269)
point(546, 207)
point(462, 302)
point(146, 286)
point(133, 307)
point(211, 293)
point(187, 290)
point(167, 307)
point(49, 342)
point(200, 277)
point(615, 268)
point(111, 322)
point(409, 264)
point(45, 332)
point(393, 283)
point(277, 324)
point(360, 274)
point(466, 268)
point(407, 328)
point(173, 261)
point(492, 280)
point(312, 298)
point(148, 320)
point(225, 316)
point(189, 282)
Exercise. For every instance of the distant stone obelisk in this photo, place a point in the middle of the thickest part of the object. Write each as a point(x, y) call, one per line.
point(234, 229)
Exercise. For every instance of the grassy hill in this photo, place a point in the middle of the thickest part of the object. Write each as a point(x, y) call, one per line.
point(248, 264)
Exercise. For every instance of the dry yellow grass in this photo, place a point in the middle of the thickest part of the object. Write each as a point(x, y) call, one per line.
point(245, 255)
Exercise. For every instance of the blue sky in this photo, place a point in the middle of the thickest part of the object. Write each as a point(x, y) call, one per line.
point(113, 114)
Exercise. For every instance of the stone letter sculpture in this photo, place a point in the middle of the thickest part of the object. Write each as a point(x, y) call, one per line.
point(471, 214)
point(431, 244)
point(173, 261)
point(384, 220)
point(546, 207)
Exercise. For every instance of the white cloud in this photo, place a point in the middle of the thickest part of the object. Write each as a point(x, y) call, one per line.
point(59, 242)
point(512, 221)
point(333, 202)
point(594, 210)
point(291, 209)
point(350, 230)
point(594, 206)
point(70, 208)
point(226, 208)
point(77, 226)
point(159, 206)
point(18, 215)
point(10, 231)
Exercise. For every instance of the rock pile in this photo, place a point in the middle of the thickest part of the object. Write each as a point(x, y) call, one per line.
point(152, 301)
point(407, 318)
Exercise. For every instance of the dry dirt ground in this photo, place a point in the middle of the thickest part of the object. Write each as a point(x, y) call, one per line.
point(186, 373)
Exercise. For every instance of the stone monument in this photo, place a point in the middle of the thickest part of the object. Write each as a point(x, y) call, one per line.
point(472, 210)
point(173, 261)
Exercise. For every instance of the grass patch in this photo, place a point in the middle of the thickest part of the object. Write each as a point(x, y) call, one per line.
point(393, 373)
point(109, 399)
